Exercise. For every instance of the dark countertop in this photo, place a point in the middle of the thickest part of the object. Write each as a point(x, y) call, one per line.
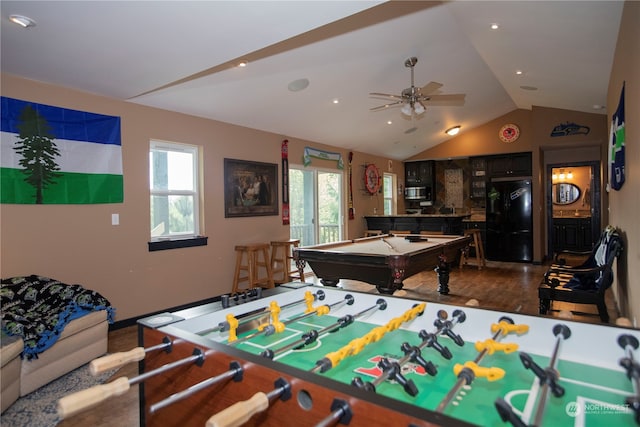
point(420, 216)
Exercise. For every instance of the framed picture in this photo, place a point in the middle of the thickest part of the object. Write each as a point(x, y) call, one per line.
point(250, 188)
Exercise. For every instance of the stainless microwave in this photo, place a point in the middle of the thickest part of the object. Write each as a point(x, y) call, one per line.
point(417, 193)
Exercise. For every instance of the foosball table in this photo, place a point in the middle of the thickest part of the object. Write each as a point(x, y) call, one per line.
point(313, 356)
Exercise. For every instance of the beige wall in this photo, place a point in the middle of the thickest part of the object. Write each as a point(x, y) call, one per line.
point(624, 205)
point(78, 244)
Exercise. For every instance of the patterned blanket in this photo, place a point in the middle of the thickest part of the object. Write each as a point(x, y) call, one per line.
point(37, 309)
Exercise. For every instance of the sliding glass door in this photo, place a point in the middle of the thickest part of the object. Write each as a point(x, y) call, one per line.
point(315, 205)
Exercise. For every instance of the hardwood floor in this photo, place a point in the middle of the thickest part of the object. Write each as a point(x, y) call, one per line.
point(510, 287)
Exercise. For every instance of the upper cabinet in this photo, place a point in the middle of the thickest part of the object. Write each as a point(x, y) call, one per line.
point(478, 177)
point(516, 164)
point(419, 174)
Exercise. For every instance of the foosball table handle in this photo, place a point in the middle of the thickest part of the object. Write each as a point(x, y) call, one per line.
point(240, 412)
point(76, 402)
point(116, 360)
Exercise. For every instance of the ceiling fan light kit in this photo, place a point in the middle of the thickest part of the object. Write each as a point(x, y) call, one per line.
point(414, 100)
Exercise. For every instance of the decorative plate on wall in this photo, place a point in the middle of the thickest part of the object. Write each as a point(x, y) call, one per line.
point(509, 132)
point(371, 179)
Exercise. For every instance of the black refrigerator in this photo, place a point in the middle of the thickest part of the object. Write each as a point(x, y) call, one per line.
point(509, 220)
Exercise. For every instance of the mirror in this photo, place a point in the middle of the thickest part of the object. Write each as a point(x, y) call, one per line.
point(565, 193)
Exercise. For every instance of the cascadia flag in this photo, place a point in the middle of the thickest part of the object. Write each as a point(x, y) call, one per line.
point(52, 155)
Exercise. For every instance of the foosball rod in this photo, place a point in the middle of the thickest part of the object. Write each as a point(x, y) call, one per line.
point(272, 328)
point(117, 360)
point(355, 346)
point(340, 413)
point(250, 317)
point(240, 412)
point(630, 343)
point(458, 317)
point(562, 332)
point(462, 379)
point(235, 371)
point(82, 400)
point(313, 334)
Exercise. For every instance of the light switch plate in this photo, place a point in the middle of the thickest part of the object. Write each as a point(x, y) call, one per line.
point(115, 219)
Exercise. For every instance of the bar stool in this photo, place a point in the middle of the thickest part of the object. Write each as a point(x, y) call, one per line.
point(476, 245)
point(281, 256)
point(248, 258)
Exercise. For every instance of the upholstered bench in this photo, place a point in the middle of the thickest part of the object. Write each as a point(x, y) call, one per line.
point(10, 349)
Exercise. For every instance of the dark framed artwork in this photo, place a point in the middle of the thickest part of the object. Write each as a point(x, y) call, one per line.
point(250, 188)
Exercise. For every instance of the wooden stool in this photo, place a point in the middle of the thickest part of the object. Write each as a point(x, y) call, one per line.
point(477, 245)
point(251, 255)
point(281, 256)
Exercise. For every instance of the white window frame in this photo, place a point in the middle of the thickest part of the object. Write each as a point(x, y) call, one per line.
point(194, 150)
point(394, 198)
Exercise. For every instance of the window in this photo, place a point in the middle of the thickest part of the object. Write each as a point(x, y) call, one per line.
point(388, 185)
point(174, 192)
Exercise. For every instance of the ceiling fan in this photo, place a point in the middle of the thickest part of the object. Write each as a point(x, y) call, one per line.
point(416, 99)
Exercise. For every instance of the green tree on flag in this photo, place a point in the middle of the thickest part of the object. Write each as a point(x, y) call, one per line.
point(38, 150)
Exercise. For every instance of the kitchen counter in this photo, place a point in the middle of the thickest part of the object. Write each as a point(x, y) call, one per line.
point(421, 215)
point(415, 223)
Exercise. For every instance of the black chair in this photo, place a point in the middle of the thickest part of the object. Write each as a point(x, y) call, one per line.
point(587, 282)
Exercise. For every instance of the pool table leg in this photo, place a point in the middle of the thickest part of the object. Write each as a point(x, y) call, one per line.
point(398, 265)
point(443, 275)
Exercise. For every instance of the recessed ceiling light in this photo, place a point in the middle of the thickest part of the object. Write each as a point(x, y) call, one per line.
point(453, 131)
point(528, 88)
point(495, 26)
point(23, 21)
point(598, 107)
point(519, 72)
point(298, 85)
point(336, 101)
point(389, 122)
point(243, 64)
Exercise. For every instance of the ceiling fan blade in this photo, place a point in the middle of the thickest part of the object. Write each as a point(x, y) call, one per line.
point(385, 106)
point(385, 95)
point(451, 99)
point(430, 88)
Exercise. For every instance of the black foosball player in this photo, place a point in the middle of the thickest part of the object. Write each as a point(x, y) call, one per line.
point(629, 343)
point(548, 377)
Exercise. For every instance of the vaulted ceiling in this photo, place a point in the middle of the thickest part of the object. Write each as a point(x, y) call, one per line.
point(182, 56)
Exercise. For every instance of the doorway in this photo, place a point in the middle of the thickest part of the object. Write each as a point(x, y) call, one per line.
point(574, 211)
point(315, 202)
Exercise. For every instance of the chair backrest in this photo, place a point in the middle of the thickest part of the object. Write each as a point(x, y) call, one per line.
point(606, 250)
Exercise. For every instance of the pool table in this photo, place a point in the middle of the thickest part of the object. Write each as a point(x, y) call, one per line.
point(383, 261)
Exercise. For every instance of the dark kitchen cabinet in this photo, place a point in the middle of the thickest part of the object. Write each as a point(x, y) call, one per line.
point(573, 234)
point(478, 180)
point(508, 165)
point(419, 174)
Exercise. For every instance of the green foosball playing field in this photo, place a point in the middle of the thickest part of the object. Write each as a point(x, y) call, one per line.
point(593, 396)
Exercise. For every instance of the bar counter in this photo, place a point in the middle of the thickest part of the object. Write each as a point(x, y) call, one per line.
point(415, 223)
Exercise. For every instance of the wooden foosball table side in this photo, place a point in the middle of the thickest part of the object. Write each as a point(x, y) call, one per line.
point(312, 398)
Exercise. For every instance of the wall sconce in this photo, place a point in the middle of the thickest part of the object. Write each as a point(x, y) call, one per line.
point(570, 175)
